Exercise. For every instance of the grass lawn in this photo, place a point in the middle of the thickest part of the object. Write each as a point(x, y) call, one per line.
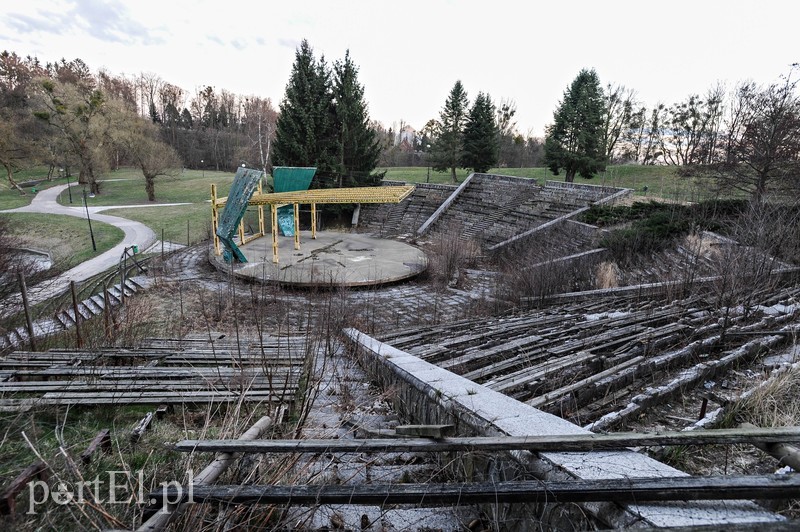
point(661, 181)
point(66, 238)
point(126, 187)
point(172, 221)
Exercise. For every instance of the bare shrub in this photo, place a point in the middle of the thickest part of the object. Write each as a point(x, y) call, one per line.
point(774, 404)
point(449, 253)
point(607, 275)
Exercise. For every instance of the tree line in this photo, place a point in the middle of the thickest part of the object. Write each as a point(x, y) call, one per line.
point(62, 115)
point(748, 139)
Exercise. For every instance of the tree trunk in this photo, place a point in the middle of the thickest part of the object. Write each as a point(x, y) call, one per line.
point(150, 187)
point(570, 176)
point(761, 189)
point(453, 174)
point(11, 180)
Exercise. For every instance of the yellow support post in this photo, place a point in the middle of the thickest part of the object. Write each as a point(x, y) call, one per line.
point(274, 212)
point(314, 221)
point(296, 226)
point(241, 233)
point(260, 215)
point(215, 219)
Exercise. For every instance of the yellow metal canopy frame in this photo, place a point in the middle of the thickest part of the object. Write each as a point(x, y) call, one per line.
point(389, 194)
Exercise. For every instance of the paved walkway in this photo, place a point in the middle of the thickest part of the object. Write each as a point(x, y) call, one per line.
point(135, 233)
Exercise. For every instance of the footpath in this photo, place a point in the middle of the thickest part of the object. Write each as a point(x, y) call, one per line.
point(136, 233)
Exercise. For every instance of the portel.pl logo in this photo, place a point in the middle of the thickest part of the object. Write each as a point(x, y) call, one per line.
point(111, 487)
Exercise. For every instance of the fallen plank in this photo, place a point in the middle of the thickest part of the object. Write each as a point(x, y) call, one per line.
point(534, 491)
point(102, 440)
point(8, 498)
point(571, 442)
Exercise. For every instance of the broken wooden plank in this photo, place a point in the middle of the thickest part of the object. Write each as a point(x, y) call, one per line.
point(533, 491)
point(166, 511)
point(425, 431)
point(102, 440)
point(569, 442)
point(8, 498)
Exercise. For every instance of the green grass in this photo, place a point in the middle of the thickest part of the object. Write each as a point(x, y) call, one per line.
point(661, 181)
point(50, 233)
point(172, 221)
point(126, 187)
point(11, 198)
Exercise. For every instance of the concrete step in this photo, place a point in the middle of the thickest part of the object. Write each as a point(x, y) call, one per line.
point(92, 305)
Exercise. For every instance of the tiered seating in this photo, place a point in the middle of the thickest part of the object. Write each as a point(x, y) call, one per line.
point(487, 202)
point(406, 216)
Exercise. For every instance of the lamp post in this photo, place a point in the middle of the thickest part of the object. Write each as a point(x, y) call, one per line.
point(86, 205)
point(428, 160)
point(69, 187)
point(203, 167)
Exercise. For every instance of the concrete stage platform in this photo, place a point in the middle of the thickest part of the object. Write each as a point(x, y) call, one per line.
point(332, 259)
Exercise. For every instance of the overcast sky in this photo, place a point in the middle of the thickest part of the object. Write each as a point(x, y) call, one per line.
point(410, 53)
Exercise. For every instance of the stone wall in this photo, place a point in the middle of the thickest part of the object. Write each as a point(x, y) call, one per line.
point(425, 393)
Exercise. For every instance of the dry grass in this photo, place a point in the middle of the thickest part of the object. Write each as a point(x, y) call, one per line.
point(607, 275)
point(774, 404)
point(449, 253)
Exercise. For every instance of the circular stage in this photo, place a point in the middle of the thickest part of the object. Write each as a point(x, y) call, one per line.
point(332, 259)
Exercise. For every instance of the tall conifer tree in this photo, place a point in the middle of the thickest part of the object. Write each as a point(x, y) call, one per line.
point(574, 141)
point(305, 128)
point(481, 146)
point(448, 146)
point(358, 148)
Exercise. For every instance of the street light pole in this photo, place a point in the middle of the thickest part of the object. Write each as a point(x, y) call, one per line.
point(69, 188)
point(428, 160)
point(203, 167)
point(86, 205)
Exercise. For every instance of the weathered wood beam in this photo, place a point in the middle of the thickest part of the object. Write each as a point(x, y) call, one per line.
point(570, 442)
point(533, 491)
point(102, 440)
point(8, 498)
point(785, 454)
point(170, 508)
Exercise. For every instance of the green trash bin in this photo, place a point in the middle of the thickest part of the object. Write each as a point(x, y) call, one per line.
point(135, 249)
point(33, 190)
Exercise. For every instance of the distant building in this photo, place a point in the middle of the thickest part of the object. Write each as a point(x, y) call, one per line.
point(406, 139)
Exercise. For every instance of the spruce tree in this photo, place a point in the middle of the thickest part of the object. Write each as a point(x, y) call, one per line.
point(574, 141)
point(446, 153)
point(481, 146)
point(305, 133)
point(358, 149)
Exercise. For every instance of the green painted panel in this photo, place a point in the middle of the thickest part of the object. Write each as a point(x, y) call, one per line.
point(244, 185)
point(292, 178)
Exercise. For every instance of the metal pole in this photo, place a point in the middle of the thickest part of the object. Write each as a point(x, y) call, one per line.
point(77, 314)
point(69, 188)
point(24, 290)
point(94, 246)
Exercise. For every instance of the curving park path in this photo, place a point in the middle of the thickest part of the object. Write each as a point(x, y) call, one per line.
point(136, 233)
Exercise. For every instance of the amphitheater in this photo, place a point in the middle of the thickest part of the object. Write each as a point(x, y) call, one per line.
point(491, 391)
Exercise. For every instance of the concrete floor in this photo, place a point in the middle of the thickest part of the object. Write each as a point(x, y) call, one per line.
point(332, 259)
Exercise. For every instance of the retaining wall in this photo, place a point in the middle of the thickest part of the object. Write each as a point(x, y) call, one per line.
point(428, 394)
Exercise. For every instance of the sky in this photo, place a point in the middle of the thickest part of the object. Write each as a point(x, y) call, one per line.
point(410, 53)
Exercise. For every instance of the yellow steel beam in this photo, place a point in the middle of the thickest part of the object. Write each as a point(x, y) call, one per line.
point(215, 219)
point(314, 220)
point(393, 194)
point(274, 221)
point(296, 226)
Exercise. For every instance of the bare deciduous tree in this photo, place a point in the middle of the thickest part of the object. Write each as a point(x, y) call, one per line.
point(762, 146)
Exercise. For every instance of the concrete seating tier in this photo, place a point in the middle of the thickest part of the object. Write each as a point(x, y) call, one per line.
point(406, 216)
point(603, 363)
point(493, 209)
